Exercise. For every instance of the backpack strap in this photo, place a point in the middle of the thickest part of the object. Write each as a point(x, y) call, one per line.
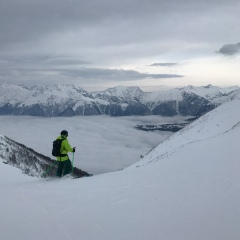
point(62, 155)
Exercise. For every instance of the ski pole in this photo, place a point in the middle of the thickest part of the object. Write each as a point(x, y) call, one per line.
point(48, 169)
point(72, 162)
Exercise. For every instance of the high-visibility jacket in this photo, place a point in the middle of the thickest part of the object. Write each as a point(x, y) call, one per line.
point(65, 148)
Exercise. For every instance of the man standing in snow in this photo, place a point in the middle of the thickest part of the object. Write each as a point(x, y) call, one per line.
point(64, 163)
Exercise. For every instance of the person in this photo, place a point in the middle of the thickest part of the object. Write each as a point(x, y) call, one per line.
point(64, 163)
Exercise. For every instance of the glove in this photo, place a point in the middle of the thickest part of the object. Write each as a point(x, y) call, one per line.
point(74, 149)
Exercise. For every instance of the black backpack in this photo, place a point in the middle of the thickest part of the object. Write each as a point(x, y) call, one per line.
point(56, 150)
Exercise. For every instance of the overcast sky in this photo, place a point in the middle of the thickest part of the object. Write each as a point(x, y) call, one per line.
point(105, 43)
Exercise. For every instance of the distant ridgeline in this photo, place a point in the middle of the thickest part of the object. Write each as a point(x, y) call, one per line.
point(71, 100)
point(29, 161)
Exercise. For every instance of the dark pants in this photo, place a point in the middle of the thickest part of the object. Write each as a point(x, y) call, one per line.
point(64, 168)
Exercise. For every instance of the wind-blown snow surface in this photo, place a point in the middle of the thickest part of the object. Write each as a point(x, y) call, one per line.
point(187, 188)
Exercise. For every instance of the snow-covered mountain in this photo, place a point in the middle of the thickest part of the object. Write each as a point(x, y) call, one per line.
point(213, 93)
point(185, 188)
point(235, 94)
point(29, 161)
point(70, 100)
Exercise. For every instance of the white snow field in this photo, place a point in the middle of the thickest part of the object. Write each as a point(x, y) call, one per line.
point(187, 188)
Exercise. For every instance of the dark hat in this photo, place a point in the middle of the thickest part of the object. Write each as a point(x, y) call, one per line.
point(64, 133)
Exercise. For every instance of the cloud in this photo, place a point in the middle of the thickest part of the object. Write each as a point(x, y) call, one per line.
point(45, 35)
point(61, 61)
point(230, 49)
point(47, 69)
point(43, 60)
point(107, 22)
point(113, 74)
point(163, 64)
point(42, 65)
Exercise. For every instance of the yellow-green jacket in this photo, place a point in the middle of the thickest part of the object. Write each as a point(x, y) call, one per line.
point(65, 148)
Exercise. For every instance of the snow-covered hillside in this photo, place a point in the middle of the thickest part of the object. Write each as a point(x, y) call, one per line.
point(185, 188)
point(213, 93)
point(219, 121)
point(29, 161)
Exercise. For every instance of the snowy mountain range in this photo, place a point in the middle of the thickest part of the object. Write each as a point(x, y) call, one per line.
point(187, 187)
point(71, 100)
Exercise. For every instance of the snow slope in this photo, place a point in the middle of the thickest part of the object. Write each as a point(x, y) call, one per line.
point(10, 93)
point(213, 93)
point(187, 188)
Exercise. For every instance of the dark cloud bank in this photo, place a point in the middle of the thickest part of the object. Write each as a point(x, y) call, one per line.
point(230, 49)
point(114, 74)
point(163, 64)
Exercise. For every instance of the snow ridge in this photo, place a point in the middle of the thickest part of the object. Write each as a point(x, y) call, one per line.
point(213, 124)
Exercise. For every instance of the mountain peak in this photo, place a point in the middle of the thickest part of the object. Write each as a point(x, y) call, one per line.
point(122, 92)
point(209, 86)
point(124, 89)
